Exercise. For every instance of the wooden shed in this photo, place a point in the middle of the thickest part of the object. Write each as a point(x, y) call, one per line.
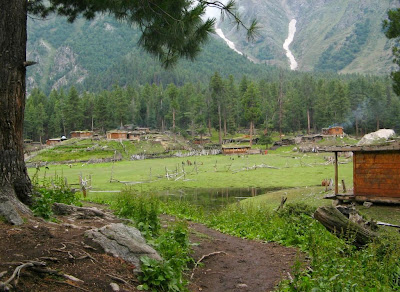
point(333, 131)
point(134, 135)
point(142, 129)
point(81, 134)
point(117, 135)
point(376, 173)
point(201, 141)
point(235, 149)
point(53, 141)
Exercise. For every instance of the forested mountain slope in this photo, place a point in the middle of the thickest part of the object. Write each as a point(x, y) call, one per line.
point(98, 54)
point(343, 36)
point(339, 36)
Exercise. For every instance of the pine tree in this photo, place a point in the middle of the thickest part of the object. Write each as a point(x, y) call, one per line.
point(171, 29)
point(251, 106)
point(217, 95)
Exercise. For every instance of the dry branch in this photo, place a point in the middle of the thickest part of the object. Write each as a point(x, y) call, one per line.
point(255, 167)
point(69, 284)
point(57, 273)
point(6, 286)
point(202, 258)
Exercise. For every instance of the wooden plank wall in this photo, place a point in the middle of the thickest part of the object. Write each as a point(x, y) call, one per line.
point(377, 174)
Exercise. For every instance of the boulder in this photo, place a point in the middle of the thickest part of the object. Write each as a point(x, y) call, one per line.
point(124, 242)
point(376, 137)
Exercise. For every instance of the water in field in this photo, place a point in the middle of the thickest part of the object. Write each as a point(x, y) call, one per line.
point(211, 199)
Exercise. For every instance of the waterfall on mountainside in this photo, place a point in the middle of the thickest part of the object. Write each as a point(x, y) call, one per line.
point(288, 41)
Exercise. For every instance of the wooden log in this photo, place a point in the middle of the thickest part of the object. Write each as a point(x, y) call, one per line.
point(344, 186)
point(341, 226)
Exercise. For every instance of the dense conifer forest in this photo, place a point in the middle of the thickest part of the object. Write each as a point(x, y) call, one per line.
point(288, 102)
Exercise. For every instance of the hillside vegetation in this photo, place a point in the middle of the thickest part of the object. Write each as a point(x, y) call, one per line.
point(332, 36)
point(338, 36)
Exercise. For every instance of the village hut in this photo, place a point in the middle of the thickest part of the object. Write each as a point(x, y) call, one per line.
point(333, 131)
point(81, 134)
point(201, 141)
point(53, 141)
point(142, 129)
point(376, 173)
point(134, 135)
point(117, 135)
point(235, 149)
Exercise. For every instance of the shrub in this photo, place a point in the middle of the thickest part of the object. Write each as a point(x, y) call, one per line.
point(142, 209)
point(167, 275)
point(51, 191)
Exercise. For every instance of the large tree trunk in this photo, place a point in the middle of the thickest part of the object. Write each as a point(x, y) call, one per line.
point(15, 185)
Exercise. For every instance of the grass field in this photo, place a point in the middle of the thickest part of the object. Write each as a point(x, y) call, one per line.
point(298, 175)
point(335, 265)
point(288, 170)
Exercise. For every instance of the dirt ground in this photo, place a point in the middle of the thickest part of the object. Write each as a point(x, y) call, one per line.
point(226, 263)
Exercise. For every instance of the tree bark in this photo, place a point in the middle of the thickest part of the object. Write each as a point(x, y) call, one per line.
point(220, 124)
point(15, 185)
point(173, 119)
point(251, 133)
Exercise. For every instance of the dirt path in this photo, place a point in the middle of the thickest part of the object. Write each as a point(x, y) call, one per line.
point(238, 264)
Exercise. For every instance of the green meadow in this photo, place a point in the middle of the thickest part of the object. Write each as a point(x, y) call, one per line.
point(281, 169)
point(334, 263)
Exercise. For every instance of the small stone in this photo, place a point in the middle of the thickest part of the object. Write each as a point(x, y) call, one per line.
point(114, 286)
point(367, 204)
point(241, 286)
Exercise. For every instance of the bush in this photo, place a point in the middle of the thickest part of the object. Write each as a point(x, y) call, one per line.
point(167, 275)
point(51, 191)
point(142, 209)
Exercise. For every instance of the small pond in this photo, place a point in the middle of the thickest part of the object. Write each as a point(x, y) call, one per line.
point(211, 199)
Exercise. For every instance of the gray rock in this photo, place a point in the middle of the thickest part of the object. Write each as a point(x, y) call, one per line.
point(123, 241)
point(381, 135)
point(114, 287)
point(367, 204)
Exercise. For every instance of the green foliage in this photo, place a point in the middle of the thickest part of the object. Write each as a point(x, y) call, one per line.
point(335, 264)
point(172, 243)
point(143, 209)
point(337, 57)
point(265, 139)
point(51, 191)
point(167, 275)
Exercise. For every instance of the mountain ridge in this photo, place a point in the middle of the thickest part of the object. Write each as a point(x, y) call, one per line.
point(322, 26)
point(342, 36)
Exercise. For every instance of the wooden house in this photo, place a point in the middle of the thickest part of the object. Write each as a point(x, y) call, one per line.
point(333, 131)
point(134, 135)
point(117, 135)
point(81, 134)
point(201, 141)
point(144, 130)
point(235, 149)
point(53, 141)
point(376, 173)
